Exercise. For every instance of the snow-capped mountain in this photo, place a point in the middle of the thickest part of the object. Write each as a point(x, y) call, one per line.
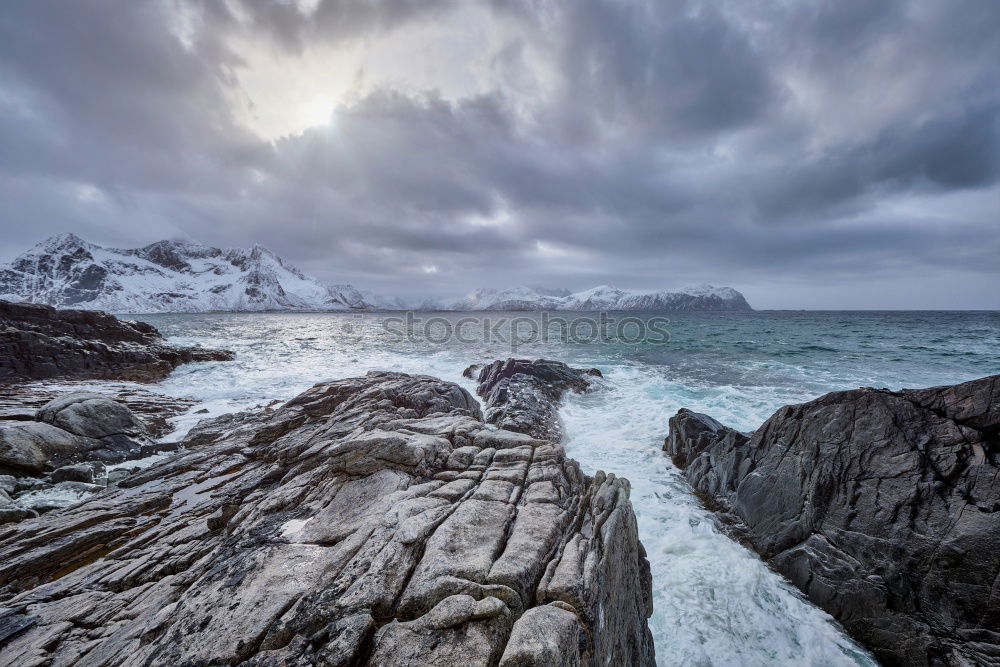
point(377, 301)
point(604, 297)
point(516, 298)
point(167, 276)
point(178, 276)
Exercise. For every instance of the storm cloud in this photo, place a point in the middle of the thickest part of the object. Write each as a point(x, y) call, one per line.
point(811, 154)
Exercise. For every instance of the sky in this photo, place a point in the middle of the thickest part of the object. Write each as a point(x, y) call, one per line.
point(810, 154)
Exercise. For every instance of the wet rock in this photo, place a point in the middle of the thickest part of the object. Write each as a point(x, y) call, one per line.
point(56, 496)
point(76, 487)
point(42, 505)
point(152, 448)
point(118, 474)
point(83, 472)
point(115, 448)
point(17, 413)
point(91, 416)
point(8, 483)
point(154, 410)
point(74, 428)
point(27, 484)
point(15, 513)
point(882, 507)
point(34, 448)
point(523, 396)
point(38, 341)
point(359, 523)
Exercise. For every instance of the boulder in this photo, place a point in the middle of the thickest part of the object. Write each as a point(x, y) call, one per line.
point(82, 472)
point(25, 484)
point(882, 507)
point(38, 341)
point(34, 447)
point(109, 429)
point(71, 429)
point(155, 411)
point(523, 396)
point(91, 416)
point(547, 635)
point(360, 523)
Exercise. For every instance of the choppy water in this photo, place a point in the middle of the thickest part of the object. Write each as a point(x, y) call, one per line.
point(715, 602)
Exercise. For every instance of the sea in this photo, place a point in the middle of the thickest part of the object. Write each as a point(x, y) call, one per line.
point(715, 602)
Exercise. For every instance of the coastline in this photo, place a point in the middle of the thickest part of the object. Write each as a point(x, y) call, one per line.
point(247, 361)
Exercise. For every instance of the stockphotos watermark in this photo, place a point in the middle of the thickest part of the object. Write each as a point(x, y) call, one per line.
point(517, 331)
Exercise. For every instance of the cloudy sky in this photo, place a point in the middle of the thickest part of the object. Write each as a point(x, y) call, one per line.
point(812, 154)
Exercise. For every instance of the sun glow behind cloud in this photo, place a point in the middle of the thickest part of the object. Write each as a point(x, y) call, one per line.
point(274, 99)
point(279, 93)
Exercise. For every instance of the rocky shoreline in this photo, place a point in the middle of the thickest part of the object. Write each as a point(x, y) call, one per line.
point(374, 520)
point(388, 519)
point(882, 507)
point(57, 444)
point(38, 341)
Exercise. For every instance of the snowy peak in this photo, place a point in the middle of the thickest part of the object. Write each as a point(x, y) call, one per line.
point(174, 255)
point(166, 276)
point(63, 243)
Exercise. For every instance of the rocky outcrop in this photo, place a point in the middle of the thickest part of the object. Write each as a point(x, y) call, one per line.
point(39, 341)
point(368, 521)
point(882, 507)
point(522, 395)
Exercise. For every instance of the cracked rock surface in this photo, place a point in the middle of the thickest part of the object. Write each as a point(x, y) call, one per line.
point(881, 506)
point(38, 341)
point(368, 521)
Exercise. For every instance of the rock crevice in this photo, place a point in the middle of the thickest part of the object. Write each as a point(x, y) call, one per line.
point(523, 396)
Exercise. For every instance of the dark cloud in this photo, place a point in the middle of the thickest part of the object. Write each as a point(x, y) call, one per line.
point(643, 143)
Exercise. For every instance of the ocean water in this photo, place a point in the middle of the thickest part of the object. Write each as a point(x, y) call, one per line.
point(715, 603)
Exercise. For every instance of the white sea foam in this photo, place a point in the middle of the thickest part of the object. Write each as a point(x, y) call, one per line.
point(144, 462)
point(715, 603)
point(60, 495)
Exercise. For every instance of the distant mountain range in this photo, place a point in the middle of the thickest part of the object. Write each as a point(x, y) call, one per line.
point(703, 297)
point(175, 276)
